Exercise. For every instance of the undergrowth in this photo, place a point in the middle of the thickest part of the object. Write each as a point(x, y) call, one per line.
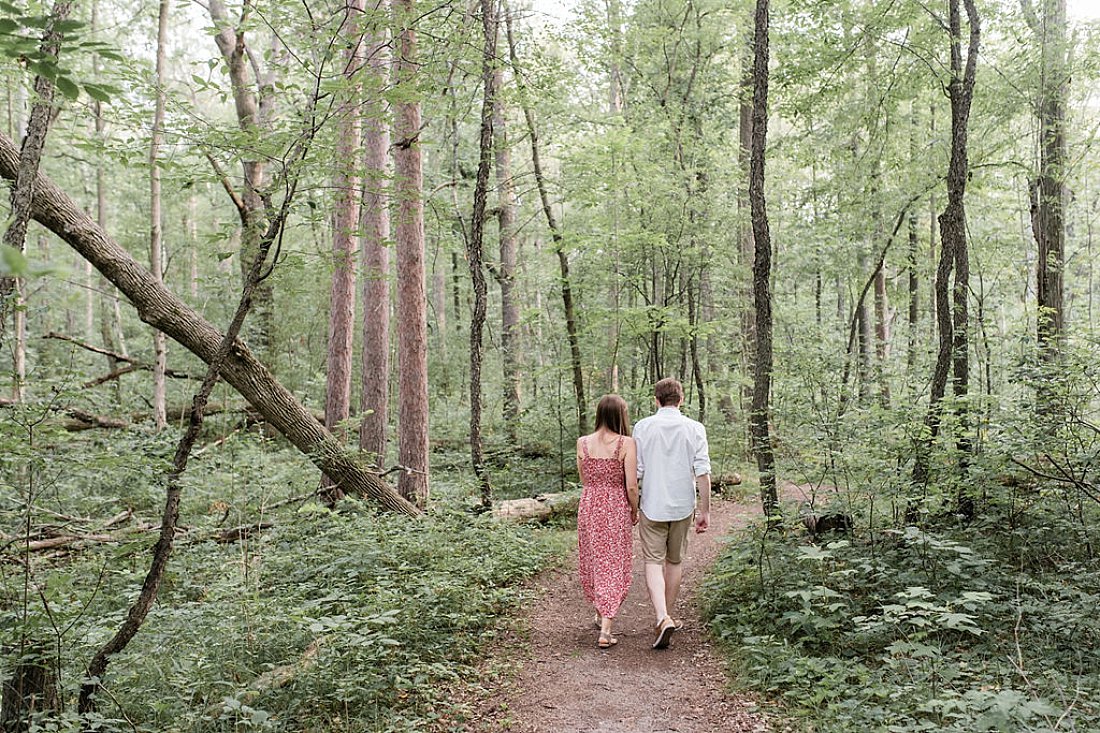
point(327, 621)
point(947, 627)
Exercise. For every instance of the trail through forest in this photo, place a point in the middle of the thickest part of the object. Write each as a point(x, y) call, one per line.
point(564, 684)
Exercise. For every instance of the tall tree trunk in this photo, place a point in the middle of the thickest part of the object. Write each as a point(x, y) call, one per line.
point(412, 304)
point(345, 226)
point(506, 273)
point(191, 226)
point(160, 308)
point(475, 244)
point(761, 269)
point(953, 317)
point(559, 243)
point(1049, 191)
point(254, 102)
point(156, 244)
point(374, 395)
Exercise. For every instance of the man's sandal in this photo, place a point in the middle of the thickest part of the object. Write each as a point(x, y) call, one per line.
point(678, 623)
point(606, 641)
point(664, 633)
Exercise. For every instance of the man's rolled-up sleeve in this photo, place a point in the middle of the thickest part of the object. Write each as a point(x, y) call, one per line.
point(638, 451)
point(701, 462)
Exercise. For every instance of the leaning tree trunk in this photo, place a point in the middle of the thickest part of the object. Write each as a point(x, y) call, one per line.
point(345, 226)
point(761, 269)
point(156, 244)
point(558, 239)
point(160, 308)
point(374, 397)
point(412, 304)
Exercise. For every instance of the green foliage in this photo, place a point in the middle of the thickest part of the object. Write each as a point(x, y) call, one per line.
point(370, 617)
point(913, 629)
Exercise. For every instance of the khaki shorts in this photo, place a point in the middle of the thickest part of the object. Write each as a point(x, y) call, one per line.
point(663, 541)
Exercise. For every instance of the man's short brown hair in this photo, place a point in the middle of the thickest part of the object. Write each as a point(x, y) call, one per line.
point(669, 392)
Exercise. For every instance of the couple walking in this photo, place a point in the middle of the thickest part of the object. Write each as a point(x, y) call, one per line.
point(668, 455)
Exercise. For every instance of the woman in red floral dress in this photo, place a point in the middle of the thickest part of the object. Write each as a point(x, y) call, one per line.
point(607, 461)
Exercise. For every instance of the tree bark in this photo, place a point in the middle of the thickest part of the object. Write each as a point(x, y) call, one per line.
point(559, 243)
point(761, 270)
point(345, 183)
point(474, 244)
point(374, 398)
point(160, 308)
point(1050, 189)
point(412, 306)
point(156, 244)
point(953, 317)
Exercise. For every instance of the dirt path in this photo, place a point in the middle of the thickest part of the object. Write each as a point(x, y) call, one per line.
point(566, 685)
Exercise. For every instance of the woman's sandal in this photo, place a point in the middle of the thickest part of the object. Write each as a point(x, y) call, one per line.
point(606, 641)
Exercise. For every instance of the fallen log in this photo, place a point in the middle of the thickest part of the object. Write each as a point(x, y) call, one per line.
point(539, 508)
point(162, 309)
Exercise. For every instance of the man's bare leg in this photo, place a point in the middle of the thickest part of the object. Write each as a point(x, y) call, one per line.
point(655, 582)
point(672, 576)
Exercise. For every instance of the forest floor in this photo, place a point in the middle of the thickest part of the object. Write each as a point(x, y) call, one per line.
point(548, 675)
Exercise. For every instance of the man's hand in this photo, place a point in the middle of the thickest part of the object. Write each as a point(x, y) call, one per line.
point(634, 517)
point(702, 521)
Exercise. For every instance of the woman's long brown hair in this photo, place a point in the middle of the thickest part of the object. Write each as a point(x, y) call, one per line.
point(612, 413)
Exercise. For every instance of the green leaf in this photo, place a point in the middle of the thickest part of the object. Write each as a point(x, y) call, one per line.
point(68, 87)
point(97, 92)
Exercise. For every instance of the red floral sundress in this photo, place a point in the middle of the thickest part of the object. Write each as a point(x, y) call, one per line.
point(604, 537)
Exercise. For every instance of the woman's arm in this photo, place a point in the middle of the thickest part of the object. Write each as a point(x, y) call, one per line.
point(580, 477)
point(630, 465)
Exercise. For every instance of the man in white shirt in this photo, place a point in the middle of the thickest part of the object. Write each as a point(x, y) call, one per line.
point(673, 460)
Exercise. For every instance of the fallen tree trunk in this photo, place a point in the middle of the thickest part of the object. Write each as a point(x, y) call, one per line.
point(539, 508)
point(160, 308)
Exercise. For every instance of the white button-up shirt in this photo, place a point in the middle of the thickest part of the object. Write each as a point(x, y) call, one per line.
point(672, 451)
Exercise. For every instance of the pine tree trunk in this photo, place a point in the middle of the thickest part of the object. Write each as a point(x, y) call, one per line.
point(374, 396)
point(761, 270)
point(156, 244)
point(412, 319)
point(345, 226)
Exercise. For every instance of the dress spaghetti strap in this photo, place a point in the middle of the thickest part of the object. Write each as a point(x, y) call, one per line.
point(618, 447)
